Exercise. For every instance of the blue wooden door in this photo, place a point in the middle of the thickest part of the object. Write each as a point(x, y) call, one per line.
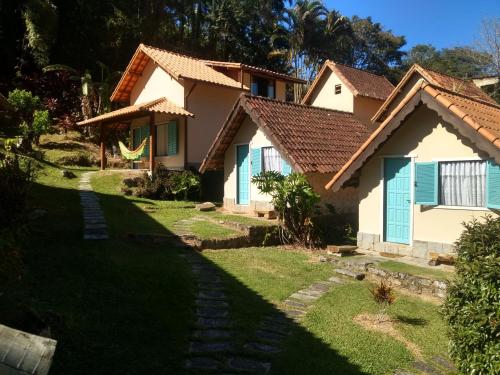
point(397, 175)
point(243, 177)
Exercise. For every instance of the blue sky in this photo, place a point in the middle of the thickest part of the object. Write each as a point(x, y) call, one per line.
point(443, 23)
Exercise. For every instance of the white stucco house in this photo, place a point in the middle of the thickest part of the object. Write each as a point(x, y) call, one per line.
point(262, 134)
point(432, 164)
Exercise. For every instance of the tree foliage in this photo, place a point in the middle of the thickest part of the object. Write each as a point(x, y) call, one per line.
point(295, 201)
point(472, 307)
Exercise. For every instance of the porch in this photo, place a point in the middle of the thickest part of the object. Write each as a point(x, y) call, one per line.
point(161, 123)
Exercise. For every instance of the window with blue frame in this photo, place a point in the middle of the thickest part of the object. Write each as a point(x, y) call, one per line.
point(262, 86)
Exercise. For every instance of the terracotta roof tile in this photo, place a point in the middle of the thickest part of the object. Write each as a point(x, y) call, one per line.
point(177, 65)
point(483, 117)
point(313, 139)
point(254, 69)
point(161, 105)
point(360, 82)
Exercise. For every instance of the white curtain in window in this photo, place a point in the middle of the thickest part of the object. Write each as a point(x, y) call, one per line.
point(271, 159)
point(463, 183)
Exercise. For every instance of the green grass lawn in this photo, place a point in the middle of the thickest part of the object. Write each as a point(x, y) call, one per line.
point(126, 307)
point(328, 341)
point(391, 265)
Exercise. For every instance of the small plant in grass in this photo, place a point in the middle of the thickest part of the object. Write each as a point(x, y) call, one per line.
point(384, 297)
point(472, 307)
point(295, 201)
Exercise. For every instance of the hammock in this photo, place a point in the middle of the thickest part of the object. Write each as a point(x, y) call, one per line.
point(132, 155)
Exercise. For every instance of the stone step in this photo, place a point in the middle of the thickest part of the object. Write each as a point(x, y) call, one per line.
point(212, 312)
point(212, 294)
point(349, 273)
point(262, 348)
point(202, 363)
point(210, 303)
point(306, 298)
point(295, 314)
point(295, 304)
point(212, 334)
point(276, 328)
point(269, 336)
point(209, 323)
point(248, 365)
point(210, 347)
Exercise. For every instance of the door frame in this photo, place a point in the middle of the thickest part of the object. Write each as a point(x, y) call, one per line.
point(236, 200)
point(412, 158)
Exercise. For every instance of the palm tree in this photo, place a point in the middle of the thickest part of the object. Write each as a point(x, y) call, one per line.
point(298, 25)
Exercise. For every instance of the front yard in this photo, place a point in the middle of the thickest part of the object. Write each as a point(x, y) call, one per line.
point(127, 306)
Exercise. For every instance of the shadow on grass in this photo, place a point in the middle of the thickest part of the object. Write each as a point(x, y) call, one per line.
point(128, 307)
point(412, 321)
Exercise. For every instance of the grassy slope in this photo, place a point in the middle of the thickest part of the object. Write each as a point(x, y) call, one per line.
point(328, 341)
point(124, 307)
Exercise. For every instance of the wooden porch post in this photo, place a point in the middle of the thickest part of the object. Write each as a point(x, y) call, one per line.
point(103, 149)
point(152, 142)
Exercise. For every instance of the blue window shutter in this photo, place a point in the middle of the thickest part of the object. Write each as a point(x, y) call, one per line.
point(254, 88)
point(145, 135)
point(256, 155)
point(286, 169)
point(270, 90)
point(493, 185)
point(172, 138)
point(426, 183)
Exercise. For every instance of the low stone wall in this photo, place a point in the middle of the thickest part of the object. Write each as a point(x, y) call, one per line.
point(412, 283)
point(419, 249)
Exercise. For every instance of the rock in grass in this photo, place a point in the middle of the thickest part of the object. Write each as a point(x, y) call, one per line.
point(207, 206)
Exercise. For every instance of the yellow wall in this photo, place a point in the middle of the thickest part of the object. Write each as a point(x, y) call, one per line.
point(324, 95)
point(365, 108)
point(427, 138)
point(211, 105)
point(155, 83)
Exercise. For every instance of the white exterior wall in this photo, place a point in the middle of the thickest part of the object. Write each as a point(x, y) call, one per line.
point(425, 137)
point(324, 95)
point(156, 83)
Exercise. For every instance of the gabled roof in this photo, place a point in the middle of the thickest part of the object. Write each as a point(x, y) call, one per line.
point(475, 119)
point(359, 82)
point(312, 139)
point(161, 105)
point(447, 82)
point(253, 69)
point(177, 65)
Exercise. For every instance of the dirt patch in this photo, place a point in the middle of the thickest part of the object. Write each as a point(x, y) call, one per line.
point(384, 324)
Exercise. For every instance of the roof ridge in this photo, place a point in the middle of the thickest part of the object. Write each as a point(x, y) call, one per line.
point(173, 53)
point(359, 69)
point(466, 80)
point(480, 101)
point(250, 96)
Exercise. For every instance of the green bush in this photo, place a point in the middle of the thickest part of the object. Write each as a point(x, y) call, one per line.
point(472, 307)
point(336, 228)
point(295, 202)
point(16, 178)
point(164, 184)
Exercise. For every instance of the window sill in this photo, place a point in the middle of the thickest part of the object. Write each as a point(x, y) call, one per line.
point(467, 208)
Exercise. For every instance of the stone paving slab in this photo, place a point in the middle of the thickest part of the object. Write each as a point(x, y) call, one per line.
point(209, 323)
point(249, 365)
point(212, 334)
point(263, 348)
point(202, 363)
point(93, 217)
point(210, 347)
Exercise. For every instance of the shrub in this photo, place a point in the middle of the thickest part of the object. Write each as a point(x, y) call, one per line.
point(336, 227)
point(295, 202)
point(15, 182)
point(164, 184)
point(384, 297)
point(472, 307)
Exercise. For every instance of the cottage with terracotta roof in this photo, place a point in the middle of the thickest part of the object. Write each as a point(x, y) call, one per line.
point(178, 104)
point(344, 88)
point(262, 134)
point(432, 164)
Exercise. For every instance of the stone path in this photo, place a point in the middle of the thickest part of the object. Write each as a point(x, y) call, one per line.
point(93, 218)
point(212, 347)
point(183, 227)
